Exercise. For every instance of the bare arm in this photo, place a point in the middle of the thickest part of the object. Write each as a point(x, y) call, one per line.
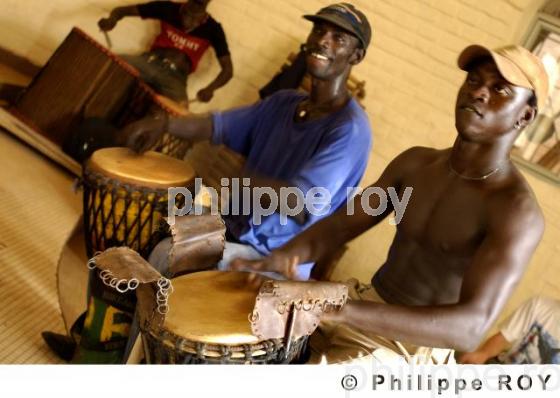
point(192, 127)
point(116, 15)
point(491, 348)
point(225, 75)
point(327, 235)
point(512, 237)
point(144, 133)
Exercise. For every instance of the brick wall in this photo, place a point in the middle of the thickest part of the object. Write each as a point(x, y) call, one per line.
point(410, 71)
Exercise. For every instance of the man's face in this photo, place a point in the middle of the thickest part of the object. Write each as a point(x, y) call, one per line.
point(331, 51)
point(193, 13)
point(488, 106)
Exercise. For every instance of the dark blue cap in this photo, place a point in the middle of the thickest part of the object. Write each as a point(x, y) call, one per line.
point(347, 17)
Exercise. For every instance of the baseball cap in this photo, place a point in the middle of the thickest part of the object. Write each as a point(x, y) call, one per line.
point(347, 17)
point(516, 64)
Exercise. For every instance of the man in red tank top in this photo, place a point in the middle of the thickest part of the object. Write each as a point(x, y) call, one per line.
point(187, 31)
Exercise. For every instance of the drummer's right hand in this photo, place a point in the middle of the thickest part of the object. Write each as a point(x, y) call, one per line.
point(107, 24)
point(142, 134)
point(274, 262)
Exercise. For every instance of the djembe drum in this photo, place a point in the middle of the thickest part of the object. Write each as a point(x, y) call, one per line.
point(84, 80)
point(207, 322)
point(211, 317)
point(126, 197)
point(125, 200)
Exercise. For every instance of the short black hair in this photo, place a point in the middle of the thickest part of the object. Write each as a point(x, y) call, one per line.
point(533, 101)
point(203, 3)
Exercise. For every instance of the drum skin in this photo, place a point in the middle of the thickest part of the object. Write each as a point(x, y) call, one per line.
point(219, 301)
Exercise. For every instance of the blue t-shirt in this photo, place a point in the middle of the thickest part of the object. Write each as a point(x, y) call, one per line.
point(330, 152)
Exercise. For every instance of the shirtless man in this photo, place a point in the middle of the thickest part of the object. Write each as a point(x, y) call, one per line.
point(468, 232)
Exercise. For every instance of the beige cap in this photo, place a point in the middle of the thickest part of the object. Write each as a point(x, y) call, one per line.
point(516, 64)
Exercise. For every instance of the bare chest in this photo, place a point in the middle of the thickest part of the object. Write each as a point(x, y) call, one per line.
point(444, 214)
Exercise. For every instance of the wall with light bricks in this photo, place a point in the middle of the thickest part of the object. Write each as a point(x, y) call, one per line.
point(410, 73)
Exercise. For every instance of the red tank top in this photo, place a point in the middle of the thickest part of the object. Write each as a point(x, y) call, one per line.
point(170, 37)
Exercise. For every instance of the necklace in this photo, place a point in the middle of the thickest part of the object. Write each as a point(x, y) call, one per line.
point(482, 177)
point(306, 108)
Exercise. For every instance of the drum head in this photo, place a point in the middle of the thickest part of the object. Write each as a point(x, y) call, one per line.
point(72, 277)
point(212, 307)
point(151, 169)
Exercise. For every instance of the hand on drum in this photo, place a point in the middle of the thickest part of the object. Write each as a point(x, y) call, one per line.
point(143, 134)
point(281, 264)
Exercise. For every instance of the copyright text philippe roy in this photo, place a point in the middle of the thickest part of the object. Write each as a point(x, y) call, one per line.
point(452, 380)
point(503, 382)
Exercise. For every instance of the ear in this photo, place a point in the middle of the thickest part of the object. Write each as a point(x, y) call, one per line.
point(528, 115)
point(357, 56)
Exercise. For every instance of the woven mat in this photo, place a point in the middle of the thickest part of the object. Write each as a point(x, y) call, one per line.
point(37, 212)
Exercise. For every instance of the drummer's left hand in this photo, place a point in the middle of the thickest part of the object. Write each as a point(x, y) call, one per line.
point(205, 95)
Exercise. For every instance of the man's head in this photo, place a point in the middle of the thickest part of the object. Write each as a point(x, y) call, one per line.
point(502, 91)
point(193, 13)
point(339, 39)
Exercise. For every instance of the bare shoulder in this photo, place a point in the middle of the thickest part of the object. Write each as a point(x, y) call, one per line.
point(418, 156)
point(409, 162)
point(515, 203)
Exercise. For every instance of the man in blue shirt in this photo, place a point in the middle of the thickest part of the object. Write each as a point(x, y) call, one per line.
point(291, 139)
